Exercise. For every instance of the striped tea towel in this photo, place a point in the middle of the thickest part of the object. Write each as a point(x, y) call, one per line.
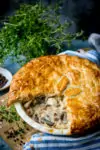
point(92, 55)
point(44, 141)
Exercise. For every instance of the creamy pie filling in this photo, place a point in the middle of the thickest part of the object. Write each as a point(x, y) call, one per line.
point(48, 111)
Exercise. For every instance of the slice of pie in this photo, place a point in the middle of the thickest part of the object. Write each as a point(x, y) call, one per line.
point(60, 91)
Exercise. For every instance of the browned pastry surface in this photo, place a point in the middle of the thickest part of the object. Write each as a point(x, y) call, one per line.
point(78, 80)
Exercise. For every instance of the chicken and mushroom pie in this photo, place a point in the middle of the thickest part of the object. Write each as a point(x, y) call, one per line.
point(59, 91)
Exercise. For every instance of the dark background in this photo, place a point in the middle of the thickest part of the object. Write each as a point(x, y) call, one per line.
point(84, 13)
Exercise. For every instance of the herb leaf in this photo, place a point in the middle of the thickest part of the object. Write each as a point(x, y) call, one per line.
point(32, 31)
point(9, 114)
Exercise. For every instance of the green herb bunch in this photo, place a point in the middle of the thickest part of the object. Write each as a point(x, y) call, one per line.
point(32, 31)
point(8, 114)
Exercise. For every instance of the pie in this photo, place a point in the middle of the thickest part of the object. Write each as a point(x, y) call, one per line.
point(59, 91)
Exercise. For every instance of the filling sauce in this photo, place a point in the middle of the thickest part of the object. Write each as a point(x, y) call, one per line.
point(47, 111)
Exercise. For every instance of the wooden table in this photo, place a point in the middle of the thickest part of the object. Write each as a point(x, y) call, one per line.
point(17, 133)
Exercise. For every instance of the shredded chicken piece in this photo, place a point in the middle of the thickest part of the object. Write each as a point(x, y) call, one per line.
point(48, 111)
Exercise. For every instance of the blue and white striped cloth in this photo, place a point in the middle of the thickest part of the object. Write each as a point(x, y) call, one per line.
point(93, 56)
point(44, 141)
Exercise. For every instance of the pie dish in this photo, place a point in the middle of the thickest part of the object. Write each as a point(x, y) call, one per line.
point(58, 94)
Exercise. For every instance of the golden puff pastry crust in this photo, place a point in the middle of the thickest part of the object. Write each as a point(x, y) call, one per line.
point(77, 79)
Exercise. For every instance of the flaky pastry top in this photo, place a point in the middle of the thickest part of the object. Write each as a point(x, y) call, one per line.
point(77, 79)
